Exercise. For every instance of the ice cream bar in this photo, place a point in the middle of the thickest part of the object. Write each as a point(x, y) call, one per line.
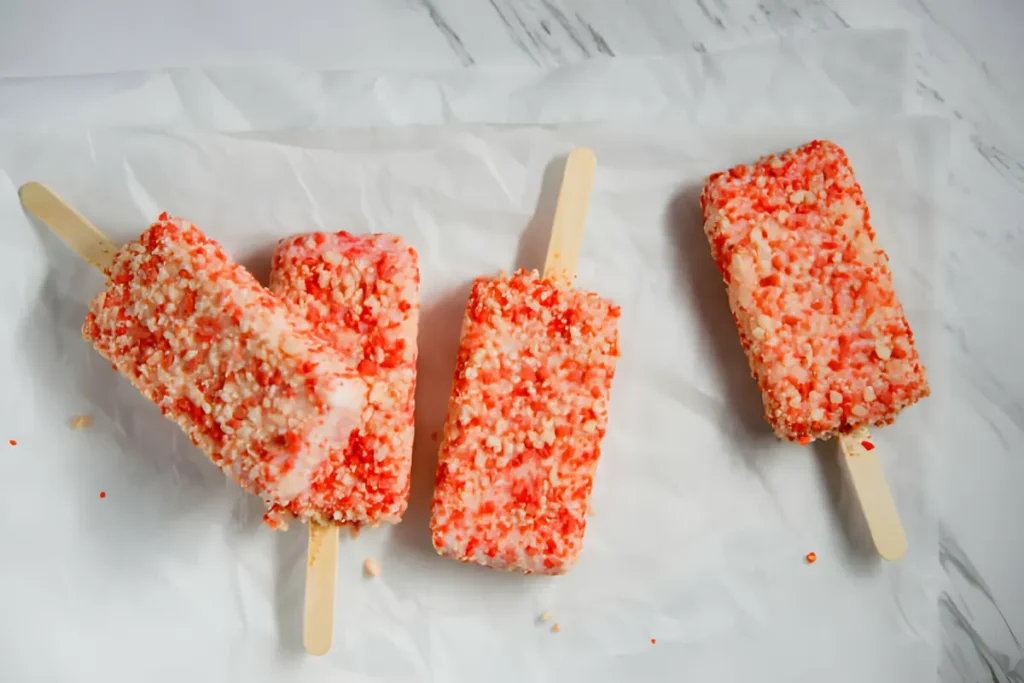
point(528, 410)
point(361, 294)
point(811, 293)
point(244, 377)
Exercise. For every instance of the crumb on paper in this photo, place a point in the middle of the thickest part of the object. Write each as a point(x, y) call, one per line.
point(546, 616)
point(370, 567)
point(654, 641)
point(13, 442)
point(555, 628)
point(81, 421)
point(811, 557)
point(353, 531)
point(103, 494)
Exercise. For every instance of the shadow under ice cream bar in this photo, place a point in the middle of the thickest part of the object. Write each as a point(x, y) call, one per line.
point(813, 299)
point(529, 408)
point(201, 338)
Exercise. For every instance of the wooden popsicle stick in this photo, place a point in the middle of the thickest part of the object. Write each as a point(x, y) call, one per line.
point(873, 493)
point(77, 232)
point(570, 215)
point(321, 571)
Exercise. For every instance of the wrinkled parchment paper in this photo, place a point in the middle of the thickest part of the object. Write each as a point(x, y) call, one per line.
point(701, 519)
point(802, 80)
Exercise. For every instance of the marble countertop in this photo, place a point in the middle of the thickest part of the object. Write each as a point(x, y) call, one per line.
point(967, 68)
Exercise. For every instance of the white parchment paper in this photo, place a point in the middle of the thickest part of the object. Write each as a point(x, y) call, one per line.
point(805, 79)
point(701, 518)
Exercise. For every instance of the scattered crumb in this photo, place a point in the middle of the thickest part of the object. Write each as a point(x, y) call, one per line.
point(654, 641)
point(546, 616)
point(81, 421)
point(103, 494)
point(556, 628)
point(370, 567)
point(13, 442)
point(353, 531)
point(811, 558)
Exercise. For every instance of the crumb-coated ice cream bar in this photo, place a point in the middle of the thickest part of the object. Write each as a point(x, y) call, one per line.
point(811, 292)
point(361, 294)
point(219, 355)
point(528, 410)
